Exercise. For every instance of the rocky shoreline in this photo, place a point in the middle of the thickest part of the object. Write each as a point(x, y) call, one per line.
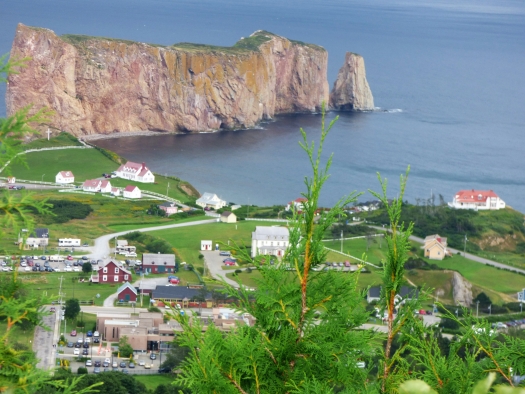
point(95, 137)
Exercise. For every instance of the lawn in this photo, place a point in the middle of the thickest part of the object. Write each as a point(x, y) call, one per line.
point(48, 284)
point(483, 276)
point(358, 247)
point(187, 239)
point(21, 336)
point(152, 381)
point(249, 279)
point(440, 281)
point(91, 164)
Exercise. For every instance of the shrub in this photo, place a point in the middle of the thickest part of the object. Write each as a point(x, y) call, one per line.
point(82, 371)
point(238, 271)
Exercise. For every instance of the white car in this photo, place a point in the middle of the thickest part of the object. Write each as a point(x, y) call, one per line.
point(23, 264)
point(96, 334)
point(76, 269)
point(76, 352)
point(27, 269)
point(5, 269)
point(88, 340)
point(107, 360)
point(131, 254)
point(142, 363)
point(68, 269)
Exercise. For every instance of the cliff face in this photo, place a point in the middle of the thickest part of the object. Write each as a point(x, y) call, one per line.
point(98, 85)
point(351, 91)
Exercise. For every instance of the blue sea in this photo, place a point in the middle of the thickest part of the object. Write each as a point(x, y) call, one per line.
point(448, 78)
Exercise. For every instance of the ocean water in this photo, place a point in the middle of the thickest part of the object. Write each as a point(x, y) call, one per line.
point(448, 78)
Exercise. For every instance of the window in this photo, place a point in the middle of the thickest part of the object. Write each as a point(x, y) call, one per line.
point(116, 270)
point(115, 278)
point(105, 270)
point(126, 277)
point(105, 278)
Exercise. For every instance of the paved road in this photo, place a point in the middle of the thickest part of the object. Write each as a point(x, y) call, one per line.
point(43, 341)
point(468, 255)
point(103, 250)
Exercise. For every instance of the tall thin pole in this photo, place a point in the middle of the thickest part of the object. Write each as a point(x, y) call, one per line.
point(341, 241)
point(465, 248)
point(477, 309)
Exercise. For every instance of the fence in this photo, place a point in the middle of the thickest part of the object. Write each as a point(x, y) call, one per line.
point(167, 198)
point(353, 257)
point(269, 220)
point(358, 237)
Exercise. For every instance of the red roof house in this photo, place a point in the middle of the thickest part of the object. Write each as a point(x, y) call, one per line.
point(477, 200)
point(127, 292)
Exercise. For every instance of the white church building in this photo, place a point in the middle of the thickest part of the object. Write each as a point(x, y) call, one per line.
point(135, 172)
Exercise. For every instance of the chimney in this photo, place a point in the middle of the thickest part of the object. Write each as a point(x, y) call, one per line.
point(143, 165)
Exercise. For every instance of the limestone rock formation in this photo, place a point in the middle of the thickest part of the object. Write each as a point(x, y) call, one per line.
point(351, 91)
point(100, 85)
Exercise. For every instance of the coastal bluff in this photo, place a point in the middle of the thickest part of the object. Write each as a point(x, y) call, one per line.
point(99, 85)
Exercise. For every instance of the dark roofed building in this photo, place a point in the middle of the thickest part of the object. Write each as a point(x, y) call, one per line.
point(374, 294)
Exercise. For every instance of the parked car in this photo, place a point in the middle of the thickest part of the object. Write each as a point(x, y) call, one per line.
point(122, 364)
point(142, 363)
point(89, 333)
point(85, 258)
point(78, 345)
point(107, 360)
point(96, 334)
point(89, 363)
point(70, 344)
point(52, 309)
point(76, 352)
point(131, 365)
point(96, 370)
point(27, 269)
point(115, 364)
point(229, 259)
point(98, 363)
point(96, 340)
point(105, 364)
point(152, 356)
point(70, 257)
point(224, 253)
point(73, 333)
point(85, 352)
point(85, 345)
point(229, 263)
point(164, 370)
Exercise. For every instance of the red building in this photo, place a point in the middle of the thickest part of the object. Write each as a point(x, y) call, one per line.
point(127, 292)
point(111, 273)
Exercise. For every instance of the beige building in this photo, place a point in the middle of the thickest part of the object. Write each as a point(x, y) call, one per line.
point(435, 247)
point(228, 217)
point(145, 333)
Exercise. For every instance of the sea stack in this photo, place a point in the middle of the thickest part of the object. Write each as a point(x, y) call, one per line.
point(98, 85)
point(351, 91)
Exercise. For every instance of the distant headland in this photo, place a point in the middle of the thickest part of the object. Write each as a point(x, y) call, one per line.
point(100, 85)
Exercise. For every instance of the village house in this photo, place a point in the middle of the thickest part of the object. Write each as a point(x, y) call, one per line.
point(156, 263)
point(272, 240)
point(435, 247)
point(182, 295)
point(64, 177)
point(132, 192)
point(38, 238)
point(296, 205)
point(135, 172)
point(127, 293)
point(210, 200)
point(105, 186)
point(228, 217)
point(477, 200)
point(92, 185)
point(111, 273)
point(115, 191)
point(169, 207)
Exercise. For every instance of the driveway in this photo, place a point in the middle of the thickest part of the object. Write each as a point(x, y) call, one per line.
point(214, 264)
point(43, 341)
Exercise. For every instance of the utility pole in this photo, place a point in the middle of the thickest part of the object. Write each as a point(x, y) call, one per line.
point(167, 189)
point(490, 310)
point(465, 248)
point(341, 241)
point(477, 309)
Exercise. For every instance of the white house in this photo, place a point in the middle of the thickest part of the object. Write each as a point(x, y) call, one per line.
point(477, 200)
point(115, 191)
point(206, 244)
point(92, 185)
point(272, 240)
point(64, 177)
point(228, 217)
point(210, 200)
point(135, 172)
point(105, 187)
point(132, 192)
point(296, 204)
point(39, 237)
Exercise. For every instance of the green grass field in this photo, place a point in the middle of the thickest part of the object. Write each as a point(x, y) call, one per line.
point(48, 284)
point(152, 381)
point(358, 247)
point(187, 239)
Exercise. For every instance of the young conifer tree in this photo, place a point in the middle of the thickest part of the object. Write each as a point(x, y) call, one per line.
point(305, 337)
